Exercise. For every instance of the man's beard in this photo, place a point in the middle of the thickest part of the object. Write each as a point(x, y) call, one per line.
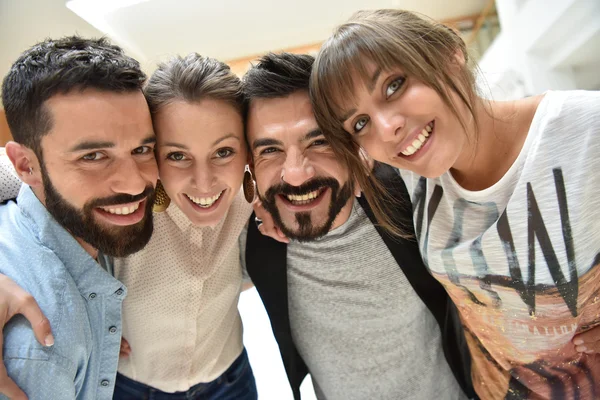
point(307, 228)
point(115, 241)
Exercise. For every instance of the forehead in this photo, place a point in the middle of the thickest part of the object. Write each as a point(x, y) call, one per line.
point(98, 115)
point(192, 122)
point(288, 117)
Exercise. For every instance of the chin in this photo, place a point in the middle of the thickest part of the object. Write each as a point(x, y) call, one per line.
point(207, 221)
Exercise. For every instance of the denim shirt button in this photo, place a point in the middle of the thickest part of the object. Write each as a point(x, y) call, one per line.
point(92, 296)
point(112, 329)
point(104, 382)
point(119, 292)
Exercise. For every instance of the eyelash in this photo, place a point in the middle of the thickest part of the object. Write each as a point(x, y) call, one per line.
point(84, 158)
point(319, 142)
point(170, 156)
point(401, 80)
point(229, 150)
point(268, 150)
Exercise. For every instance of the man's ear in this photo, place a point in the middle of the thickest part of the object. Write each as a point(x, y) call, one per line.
point(25, 162)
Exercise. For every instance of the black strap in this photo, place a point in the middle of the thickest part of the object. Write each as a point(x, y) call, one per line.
point(432, 293)
point(266, 263)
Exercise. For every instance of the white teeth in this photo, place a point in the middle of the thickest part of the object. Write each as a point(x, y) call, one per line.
point(122, 210)
point(303, 197)
point(205, 202)
point(419, 141)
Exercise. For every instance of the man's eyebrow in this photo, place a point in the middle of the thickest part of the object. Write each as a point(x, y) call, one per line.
point(149, 140)
point(265, 142)
point(313, 134)
point(91, 145)
point(96, 144)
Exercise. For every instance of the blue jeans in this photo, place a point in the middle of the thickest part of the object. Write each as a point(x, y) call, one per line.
point(237, 383)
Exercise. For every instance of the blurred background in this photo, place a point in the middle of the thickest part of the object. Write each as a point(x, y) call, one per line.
point(523, 47)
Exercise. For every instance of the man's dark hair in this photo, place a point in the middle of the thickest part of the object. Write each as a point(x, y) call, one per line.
point(58, 66)
point(277, 75)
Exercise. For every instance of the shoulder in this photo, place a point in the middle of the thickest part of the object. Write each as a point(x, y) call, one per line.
point(240, 209)
point(236, 217)
point(564, 109)
point(9, 180)
point(42, 274)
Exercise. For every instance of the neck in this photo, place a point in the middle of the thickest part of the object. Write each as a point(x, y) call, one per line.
point(494, 143)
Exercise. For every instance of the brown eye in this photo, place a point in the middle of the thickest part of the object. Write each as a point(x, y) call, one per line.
point(95, 156)
point(142, 150)
point(176, 156)
point(224, 153)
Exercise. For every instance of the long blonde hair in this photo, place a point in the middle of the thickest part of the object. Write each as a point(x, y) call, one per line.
point(390, 39)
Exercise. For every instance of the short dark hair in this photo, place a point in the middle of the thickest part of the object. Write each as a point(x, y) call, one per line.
point(278, 75)
point(57, 66)
point(193, 79)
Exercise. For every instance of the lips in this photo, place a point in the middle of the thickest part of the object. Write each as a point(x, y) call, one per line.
point(416, 141)
point(205, 202)
point(123, 214)
point(304, 202)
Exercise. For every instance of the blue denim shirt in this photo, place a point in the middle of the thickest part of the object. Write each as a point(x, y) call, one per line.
point(80, 298)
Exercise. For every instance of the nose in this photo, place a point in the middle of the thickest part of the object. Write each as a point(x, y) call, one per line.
point(297, 169)
point(130, 178)
point(204, 177)
point(389, 124)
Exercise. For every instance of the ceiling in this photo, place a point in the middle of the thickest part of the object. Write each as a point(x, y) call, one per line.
point(151, 30)
point(232, 29)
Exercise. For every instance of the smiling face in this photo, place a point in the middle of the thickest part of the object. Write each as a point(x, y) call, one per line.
point(201, 156)
point(98, 168)
point(401, 121)
point(299, 179)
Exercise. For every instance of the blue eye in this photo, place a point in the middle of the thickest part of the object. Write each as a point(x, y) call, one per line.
point(394, 86)
point(358, 125)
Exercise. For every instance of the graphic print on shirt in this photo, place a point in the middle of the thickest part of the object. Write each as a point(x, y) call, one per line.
point(519, 326)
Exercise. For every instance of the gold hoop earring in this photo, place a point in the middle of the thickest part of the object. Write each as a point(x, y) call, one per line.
point(248, 185)
point(161, 199)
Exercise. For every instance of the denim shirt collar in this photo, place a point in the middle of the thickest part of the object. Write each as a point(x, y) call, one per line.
point(86, 272)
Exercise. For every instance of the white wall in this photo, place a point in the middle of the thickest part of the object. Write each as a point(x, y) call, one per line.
point(544, 44)
point(26, 22)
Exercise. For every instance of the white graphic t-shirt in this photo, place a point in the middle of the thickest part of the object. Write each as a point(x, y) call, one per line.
point(521, 259)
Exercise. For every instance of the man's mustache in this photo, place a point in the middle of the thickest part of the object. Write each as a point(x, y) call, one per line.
point(122, 198)
point(307, 187)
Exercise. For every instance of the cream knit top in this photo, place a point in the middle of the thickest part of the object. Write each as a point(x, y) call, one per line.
point(180, 316)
